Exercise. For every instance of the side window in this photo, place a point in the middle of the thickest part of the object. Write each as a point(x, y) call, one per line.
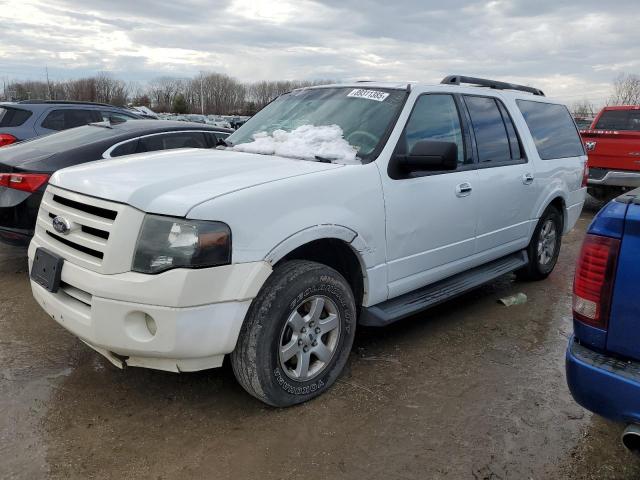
point(70, 118)
point(215, 137)
point(172, 140)
point(552, 129)
point(435, 117)
point(489, 128)
point(514, 140)
point(115, 116)
point(125, 149)
point(13, 117)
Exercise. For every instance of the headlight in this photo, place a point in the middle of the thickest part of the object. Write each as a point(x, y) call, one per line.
point(166, 242)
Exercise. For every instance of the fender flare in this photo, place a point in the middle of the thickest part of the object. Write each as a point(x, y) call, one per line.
point(550, 198)
point(321, 232)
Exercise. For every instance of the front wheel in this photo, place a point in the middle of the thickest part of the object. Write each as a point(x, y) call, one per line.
point(297, 335)
point(544, 248)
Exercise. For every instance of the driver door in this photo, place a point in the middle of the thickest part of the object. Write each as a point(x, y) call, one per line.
point(430, 216)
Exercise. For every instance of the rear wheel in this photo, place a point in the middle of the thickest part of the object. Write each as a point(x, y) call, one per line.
point(297, 335)
point(544, 248)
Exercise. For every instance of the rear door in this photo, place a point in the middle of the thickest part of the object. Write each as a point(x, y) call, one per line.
point(60, 119)
point(506, 188)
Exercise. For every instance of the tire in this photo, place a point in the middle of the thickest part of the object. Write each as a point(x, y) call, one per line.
point(298, 295)
point(542, 263)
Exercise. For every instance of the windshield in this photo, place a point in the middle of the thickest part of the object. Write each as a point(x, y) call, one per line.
point(363, 115)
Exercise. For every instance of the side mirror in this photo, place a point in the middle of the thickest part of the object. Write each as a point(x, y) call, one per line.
point(428, 155)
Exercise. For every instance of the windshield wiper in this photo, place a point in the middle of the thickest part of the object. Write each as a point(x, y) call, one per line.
point(325, 159)
point(101, 124)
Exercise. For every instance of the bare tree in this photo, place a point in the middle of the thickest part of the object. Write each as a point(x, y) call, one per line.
point(583, 108)
point(163, 91)
point(626, 90)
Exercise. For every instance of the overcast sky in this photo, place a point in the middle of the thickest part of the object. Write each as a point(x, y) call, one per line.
point(571, 49)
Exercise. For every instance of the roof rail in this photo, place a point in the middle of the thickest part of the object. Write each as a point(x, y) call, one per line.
point(66, 102)
point(483, 82)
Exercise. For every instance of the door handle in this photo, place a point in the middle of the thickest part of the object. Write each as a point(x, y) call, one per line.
point(463, 189)
point(527, 178)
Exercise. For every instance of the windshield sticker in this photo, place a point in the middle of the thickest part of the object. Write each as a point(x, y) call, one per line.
point(368, 94)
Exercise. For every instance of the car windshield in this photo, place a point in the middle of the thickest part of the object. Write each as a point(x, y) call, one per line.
point(359, 116)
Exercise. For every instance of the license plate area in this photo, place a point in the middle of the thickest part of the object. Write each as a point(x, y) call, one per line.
point(46, 269)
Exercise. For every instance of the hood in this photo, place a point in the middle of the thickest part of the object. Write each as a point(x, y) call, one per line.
point(172, 182)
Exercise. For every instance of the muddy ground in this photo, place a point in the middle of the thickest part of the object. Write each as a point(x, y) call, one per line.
point(471, 389)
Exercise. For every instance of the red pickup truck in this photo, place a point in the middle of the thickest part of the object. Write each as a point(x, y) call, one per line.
point(613, 145)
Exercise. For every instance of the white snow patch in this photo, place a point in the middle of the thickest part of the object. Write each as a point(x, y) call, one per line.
point(305, 142)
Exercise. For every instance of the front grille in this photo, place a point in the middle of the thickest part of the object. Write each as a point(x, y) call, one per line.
point(91, 224)
point(92, 209)
point(76, 293)
point(77, 246)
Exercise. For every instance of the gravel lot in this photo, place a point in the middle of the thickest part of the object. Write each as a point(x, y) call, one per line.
point(471, 389)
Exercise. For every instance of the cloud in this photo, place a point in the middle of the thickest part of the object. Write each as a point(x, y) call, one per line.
point(571, 49)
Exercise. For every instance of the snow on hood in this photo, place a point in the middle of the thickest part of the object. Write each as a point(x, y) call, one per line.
point(305, 142)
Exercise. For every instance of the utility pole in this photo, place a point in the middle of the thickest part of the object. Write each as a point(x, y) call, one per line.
point(201, 93)
point(46, 68)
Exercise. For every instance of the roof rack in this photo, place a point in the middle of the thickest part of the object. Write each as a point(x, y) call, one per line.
point(66, 102)
point(483, 82)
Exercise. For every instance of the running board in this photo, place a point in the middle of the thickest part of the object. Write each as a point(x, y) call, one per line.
point(410, 303)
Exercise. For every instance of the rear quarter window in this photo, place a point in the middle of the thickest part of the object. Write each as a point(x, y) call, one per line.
point(13, 117)
point(552, 129)
point(619, 120)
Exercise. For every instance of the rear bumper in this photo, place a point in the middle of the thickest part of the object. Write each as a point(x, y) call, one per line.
point(18, 212)
point(15, 236)
point(617, 178)
point(603, 384)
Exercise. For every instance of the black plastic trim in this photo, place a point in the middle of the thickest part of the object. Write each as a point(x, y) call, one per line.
point(83, 207)
point(429, 296)
point(495, 84)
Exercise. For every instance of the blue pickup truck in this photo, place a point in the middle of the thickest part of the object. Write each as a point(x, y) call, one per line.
point(603, 356)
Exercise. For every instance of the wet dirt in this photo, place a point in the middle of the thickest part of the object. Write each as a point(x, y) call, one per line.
point(471, 389)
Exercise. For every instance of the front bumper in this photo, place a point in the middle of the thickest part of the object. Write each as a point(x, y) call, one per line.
point(615, 178)
point(180, 320)
point(603, 384)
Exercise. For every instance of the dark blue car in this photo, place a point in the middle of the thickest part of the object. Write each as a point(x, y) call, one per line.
point(603, 356)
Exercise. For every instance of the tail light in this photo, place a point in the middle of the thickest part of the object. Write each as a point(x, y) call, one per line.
point(593, 283)
point(27, 182)
point(6, 139)
point(585, 174)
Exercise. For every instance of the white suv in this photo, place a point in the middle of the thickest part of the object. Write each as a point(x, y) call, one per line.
point(399, 197)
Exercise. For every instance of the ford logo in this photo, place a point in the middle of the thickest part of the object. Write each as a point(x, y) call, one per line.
point(61, 225)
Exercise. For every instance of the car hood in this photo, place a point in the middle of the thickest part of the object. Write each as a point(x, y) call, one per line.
point(172, 182)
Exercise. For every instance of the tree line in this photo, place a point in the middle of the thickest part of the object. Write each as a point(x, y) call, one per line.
point(626, 91)
point(216, 93)
point(208, 93)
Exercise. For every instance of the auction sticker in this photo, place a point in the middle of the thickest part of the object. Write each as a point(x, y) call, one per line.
point(368, 94)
